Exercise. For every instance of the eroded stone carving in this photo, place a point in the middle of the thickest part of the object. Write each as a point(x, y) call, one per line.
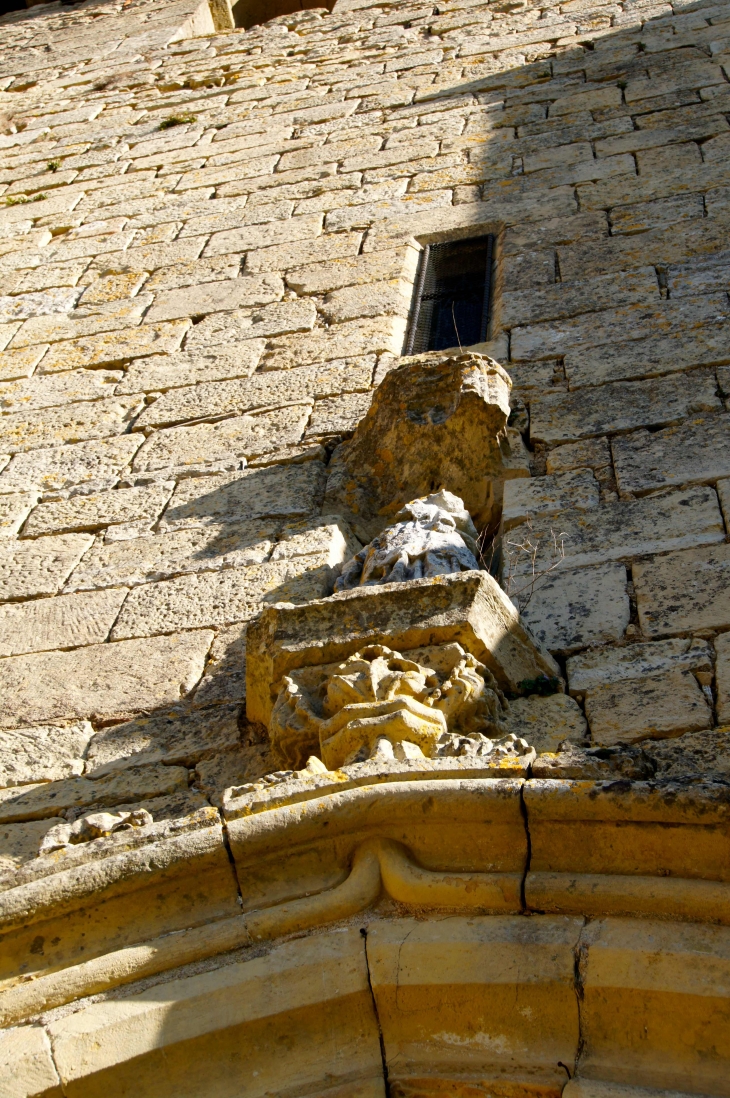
point(429, 699)
point(94, 826)
point(431, 536)
point(437, 420)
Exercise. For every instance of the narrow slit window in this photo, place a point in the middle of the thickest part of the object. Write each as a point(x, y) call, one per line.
point(453, 295)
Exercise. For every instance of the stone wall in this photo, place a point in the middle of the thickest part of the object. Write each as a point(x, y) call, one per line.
point(208, 244)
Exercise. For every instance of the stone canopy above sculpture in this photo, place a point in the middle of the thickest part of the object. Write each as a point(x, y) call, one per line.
point(432, 536)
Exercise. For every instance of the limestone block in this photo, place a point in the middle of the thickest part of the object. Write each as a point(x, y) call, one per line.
point(251, 237)
point(573, 609)
point(591, 669)
point(115, 346)
point(289, 491)
point(548, 495)
point(72, 423)
point(424, 980)
point(30, 568)
point(549, 338)
point(621, 406)
point(241, 436)
point(26, 1064)
point(373, 299)
point(43, 753)
point(277, 319)
point(45, 391)
point(592, 453)
point(619, 531)
point(631, 965)
point(351, 338)
point(19, 845)
point(206, 599)
point(85, 326)
point(134, 783)
point(571, 298)
point(22, 306)
point(546, 722)
point(194, 271)
point(684, 592)
point(315, 1023)
point(457, 408)
point(214, 297)
point(92, 512)
point(177, 736)
point(338, 415)
point(161, 372)
point(113, 285)
point(13, 512)
point(105, 681)
point(270, 389)
point(469, 608)
point(200, 549)
point(91, 463)
point(378, 267)
point(281, 257)
point(225, 672)
point(722, 671)
point(328, 537)
point(640, 216)
point(703, 755)
point(21, 363)
point(66, 621)
point(694, 452)
point(655, 707)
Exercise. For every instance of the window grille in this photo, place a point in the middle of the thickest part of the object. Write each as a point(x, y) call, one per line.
point(452, 300)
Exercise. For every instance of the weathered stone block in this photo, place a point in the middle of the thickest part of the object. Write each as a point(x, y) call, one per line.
point(590, 453)
point(13, 512)
point(178, 736)
point(694, 452)
point(200, 549)
point(30, 568)
point(271, 389)
point(656, 355)
point(73, 423)
point(114, 346)
point(469, 608)
point(27, 1065)
point(105, 681)
point(215, 297)
point(562, 417)
point(135, 783)
point(219, 598)
point(158, 373)
point(684, 592)
point(66, 621)
point(574, 609)
point(46, 391)
point(43, 753)
point(225, 672)
point(655, 707)
point(546, 722)
point(240, 436)
point(287, 491)
point(619, 531)
point(703, 755)
point(548, 495)
point(97, 463)
point(636, 661)
point(98, 510)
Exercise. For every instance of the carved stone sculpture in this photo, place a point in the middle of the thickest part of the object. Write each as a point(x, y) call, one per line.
point(436, 421)
point(432, 536)
point(340, 712)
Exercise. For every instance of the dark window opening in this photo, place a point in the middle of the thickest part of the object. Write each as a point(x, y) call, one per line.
point(251, 13)
point(453, 295)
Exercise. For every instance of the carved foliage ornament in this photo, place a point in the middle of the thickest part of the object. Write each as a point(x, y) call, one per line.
point(430, 699)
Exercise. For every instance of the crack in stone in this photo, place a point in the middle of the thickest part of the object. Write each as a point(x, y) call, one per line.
point(386, 1081)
